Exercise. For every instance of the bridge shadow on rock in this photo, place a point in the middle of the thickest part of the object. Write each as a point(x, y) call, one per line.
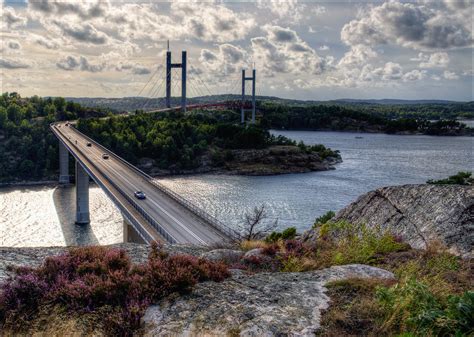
point(64, 198)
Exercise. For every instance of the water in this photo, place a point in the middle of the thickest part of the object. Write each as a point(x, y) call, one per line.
point(43, 216)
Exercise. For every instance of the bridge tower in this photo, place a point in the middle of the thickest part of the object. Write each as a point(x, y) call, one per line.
point(242, 110)
point(169, 66)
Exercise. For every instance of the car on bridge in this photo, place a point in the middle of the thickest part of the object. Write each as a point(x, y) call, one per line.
point(105, 156)
point(89, 144)
point(140, 195)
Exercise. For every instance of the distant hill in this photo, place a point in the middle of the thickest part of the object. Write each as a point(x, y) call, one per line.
point(423, 108)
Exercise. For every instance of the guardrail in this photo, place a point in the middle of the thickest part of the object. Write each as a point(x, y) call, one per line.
point(155, 224)
point(211, 220)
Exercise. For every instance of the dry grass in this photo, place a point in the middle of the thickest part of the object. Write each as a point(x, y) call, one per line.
point(252, 244)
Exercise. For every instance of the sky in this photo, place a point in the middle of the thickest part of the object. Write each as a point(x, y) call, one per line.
point(302, 50)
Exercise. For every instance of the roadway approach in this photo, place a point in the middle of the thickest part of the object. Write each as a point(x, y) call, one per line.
point(163, 216)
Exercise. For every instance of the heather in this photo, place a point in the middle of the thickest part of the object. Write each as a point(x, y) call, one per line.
point(101, 282)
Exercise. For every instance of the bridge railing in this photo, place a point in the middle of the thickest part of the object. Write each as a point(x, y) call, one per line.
point(155, 224)
point(211, 220)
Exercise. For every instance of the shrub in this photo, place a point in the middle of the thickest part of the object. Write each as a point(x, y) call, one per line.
point(287, 234)
point(103, 281)
point(324, 218)
point(410, 306)
point(461, 178)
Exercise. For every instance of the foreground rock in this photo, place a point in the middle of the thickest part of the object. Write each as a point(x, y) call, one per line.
point(267, 304)
point(420, 214)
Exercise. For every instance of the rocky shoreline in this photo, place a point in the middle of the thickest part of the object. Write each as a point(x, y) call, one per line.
point(274, 160)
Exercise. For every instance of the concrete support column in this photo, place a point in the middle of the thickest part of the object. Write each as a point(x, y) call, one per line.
point(253, 96)
point(242, 111)
point(183, 80)
point(168, 79)
point(63, 164)
point(82, 195)
point(130, 234)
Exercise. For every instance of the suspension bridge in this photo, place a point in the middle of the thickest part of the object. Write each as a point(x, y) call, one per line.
point(162, 215)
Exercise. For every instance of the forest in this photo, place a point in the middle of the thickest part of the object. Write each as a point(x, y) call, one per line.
point(28, 150)
point(346, 118)
point(176, 141)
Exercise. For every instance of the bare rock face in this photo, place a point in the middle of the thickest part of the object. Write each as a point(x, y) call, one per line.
point(420, 214)
point(267, 304)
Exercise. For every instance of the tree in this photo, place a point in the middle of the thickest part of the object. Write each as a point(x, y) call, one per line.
point(255, 225)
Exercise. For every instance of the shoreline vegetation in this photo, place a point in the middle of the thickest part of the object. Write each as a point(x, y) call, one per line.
point(206, 141)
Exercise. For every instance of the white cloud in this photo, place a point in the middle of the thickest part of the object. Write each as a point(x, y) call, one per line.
point(282, 50)
point(79, 63)
point(324, 48)
point(414, 75)
point(435, 60)
point(10, 19)
point(450, 75)
point(411, 25)
point(228, 59)
point(13, 64)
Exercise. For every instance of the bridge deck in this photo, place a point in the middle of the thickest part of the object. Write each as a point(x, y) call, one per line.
point(179, 222)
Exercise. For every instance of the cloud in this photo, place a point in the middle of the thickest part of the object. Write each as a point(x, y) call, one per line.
point(414, 75)
point(13, 64)
point(82, 32)
point(358, 55)
point(79, 63)
point(435, 60)
point(210, 22)
point(83, 9)
point(12, 44)
point(134, 68)
point(450, 75)
point(228, 59)
point(10, 19)
point(45, 42)
point(411, 25)
point(282, 50)
point(324, 48)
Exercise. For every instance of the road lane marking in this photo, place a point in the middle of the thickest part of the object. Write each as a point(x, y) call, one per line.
point(155, 203)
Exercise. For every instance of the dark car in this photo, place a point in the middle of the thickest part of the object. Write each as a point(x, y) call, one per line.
point(105, 156)
point(89, 144)
point(140, 195)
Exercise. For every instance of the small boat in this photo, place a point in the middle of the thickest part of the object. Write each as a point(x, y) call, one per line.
point(359, 137)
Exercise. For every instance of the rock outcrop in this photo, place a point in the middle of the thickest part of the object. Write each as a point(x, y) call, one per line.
point(419, 214)
point(266, 304)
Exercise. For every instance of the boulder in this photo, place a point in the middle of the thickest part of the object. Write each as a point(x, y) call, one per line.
point(266, 304)
point(419, 214)
point(227, 255)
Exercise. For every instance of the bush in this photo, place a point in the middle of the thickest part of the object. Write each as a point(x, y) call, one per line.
point(349, 243)
point(102, 281)
point(461, 178)
point(324, 218)
point(410, 306)
point(287, 234)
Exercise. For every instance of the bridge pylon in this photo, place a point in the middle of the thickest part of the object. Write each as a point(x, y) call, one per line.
point(82, 195)
point(183, 67)
point(63, 164)
point(242, 109)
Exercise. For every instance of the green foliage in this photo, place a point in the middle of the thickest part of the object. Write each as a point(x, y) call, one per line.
point(28, 149)
point(357, 243)
point(461, 178)
point(353, 117)
point(324, 218)
point(287, 234)
point(410, 306)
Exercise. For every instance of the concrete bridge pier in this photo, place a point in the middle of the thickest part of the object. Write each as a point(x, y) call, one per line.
point(129, 233)
point(82, 195)
point(63, 164)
